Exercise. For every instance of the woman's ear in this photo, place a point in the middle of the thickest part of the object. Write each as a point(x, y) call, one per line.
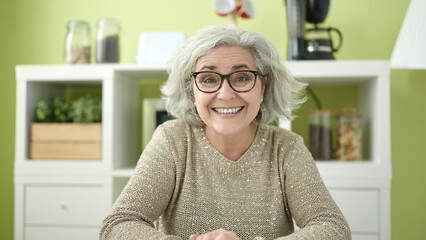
point(265, 80)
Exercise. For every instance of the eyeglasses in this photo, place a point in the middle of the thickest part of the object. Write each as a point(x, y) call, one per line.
point(240, 81)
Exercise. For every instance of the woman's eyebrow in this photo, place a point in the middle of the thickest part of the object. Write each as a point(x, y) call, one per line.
point(208, 67)
point(236, 67)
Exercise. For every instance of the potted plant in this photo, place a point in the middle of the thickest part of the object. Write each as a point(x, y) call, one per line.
point(67, 130)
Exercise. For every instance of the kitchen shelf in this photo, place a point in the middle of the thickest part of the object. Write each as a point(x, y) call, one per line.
point(121, 141)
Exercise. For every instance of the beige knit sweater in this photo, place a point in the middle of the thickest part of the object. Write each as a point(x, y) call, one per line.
point(190, 187)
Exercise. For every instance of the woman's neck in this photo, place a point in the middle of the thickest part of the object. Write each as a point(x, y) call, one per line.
point(235, 145)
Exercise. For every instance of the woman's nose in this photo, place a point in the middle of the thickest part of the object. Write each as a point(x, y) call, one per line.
point(225, 91)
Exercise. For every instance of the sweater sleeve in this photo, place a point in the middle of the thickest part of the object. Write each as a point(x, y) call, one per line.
point(309, 201)
point(146, 195)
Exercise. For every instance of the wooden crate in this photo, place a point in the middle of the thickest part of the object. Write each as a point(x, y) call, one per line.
point(66, 141)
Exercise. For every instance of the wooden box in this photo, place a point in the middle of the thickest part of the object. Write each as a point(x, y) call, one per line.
point(66, 141)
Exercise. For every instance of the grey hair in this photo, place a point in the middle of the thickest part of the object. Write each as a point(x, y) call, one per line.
point(282, 92)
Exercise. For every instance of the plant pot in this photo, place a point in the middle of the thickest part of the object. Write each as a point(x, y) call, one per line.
point(66, 141)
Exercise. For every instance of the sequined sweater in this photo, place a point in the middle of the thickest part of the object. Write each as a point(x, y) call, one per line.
point(182, 185)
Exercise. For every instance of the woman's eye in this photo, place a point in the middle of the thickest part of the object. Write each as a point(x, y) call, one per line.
point(242, 79)
point(209, 80)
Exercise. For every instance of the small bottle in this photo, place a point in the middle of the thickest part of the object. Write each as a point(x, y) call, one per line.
point(107, 41)
point(349, 135)
point(320, 140)
point(77, 42)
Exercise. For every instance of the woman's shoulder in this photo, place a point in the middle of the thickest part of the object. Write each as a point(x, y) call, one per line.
point(173, 127)
point(281, 138)
point(276, 132)
point(172, 124)
point(176, 129)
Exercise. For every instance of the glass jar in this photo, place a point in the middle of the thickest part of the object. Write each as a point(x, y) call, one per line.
point(107, 41)
point(77, 42)
point(320, 139)
point(349, 135)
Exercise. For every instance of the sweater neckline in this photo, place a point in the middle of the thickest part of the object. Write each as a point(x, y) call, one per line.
point(252, 151)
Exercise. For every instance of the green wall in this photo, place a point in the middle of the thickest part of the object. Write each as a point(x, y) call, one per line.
point(8, 59)
point(32, 32)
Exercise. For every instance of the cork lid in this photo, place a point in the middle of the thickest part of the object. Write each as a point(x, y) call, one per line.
point(320, 112)
point(349, 113)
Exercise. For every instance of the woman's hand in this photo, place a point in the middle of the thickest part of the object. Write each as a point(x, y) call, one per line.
point(219, 234)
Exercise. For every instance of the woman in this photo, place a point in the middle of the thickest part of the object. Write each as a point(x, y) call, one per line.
point(218, 171)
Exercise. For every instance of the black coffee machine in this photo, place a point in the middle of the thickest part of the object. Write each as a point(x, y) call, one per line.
point(313, 43)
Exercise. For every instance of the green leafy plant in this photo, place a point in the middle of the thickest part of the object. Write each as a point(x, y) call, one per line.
point(60, 110)
point(83, 110)
point(56, 110)
point(43, 112)
point(86, 109)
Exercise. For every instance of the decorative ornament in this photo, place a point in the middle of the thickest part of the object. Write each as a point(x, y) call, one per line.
point(235, 8)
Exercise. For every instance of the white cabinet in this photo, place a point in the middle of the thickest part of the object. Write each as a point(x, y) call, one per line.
point(63, 233)
point(361, 189)
point(356, 204)
point(69, 198)
point(63, 204)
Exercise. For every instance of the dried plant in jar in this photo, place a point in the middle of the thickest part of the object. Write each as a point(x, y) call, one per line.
point(349, 135)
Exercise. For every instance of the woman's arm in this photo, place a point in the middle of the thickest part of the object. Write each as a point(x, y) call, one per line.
point(146, 195)
point(309, 201)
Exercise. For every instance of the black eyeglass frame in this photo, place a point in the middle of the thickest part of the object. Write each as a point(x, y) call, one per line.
point(226, 76)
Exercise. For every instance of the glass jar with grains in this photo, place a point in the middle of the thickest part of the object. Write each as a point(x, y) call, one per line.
point(320, 138)
point(107, 41)
point(77, 42)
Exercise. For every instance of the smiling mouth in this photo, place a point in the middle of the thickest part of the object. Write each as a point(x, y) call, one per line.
point(228, 110)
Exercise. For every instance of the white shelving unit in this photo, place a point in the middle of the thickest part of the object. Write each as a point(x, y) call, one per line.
point(69, 198)
point(361, 189)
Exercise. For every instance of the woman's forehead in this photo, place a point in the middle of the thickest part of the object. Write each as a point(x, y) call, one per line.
point(229, 57)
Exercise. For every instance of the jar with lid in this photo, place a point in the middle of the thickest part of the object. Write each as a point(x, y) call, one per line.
point(320, 138)
point(77, 42)
point(349, 135)
point(107, 41)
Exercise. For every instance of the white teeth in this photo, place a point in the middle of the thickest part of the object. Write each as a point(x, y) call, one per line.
point(227, 110)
